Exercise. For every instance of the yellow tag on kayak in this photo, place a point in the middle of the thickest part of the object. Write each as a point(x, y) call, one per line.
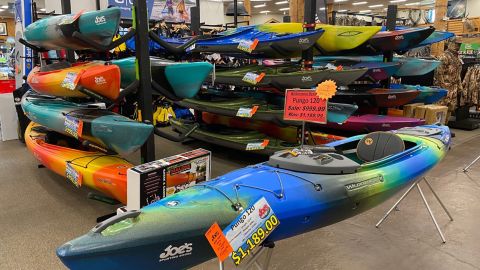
point(326, 89)
point(73, 175)
point(253, 78)
point(257, 145)
point(248, 45)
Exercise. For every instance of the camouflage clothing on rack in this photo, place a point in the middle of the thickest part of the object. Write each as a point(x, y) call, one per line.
point(471, 84)
point(448, 76)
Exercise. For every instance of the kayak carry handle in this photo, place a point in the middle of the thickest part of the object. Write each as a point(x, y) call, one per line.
point(100, 47)
point(31, 46)
point(170, 48)
point(87, 143)
point(179, 138)
point(94, 95)
point(115, 219)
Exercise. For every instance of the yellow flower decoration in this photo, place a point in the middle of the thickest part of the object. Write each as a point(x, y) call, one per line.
point(326, 89)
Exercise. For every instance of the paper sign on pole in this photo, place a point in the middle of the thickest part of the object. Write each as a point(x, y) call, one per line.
point(304, 105)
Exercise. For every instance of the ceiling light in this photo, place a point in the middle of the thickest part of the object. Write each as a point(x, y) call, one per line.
point(43, 10)
point(322, 8)
point(2, 10)
point(365, 11)
point(413, 4)
point(260, 0)
point(281, 2)
point(4, 6)
point(398, 1)
point(359, 3)
point(259, 6)
point(342, 10)
point(339, 1)
point(283, 9)
point(265, 11)
point(375, 6)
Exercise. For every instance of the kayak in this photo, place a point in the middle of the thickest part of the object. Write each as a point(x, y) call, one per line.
point(87, 123)
point(398, 41)
point(409, 66)
point(105, 173)
point(266, 111)
point(435, 37)
point(373, 122)
point(269, 45)
point(239, 139)
point(169, 74)
point(286, 77)
point(289, 134)
point(377, 71)
point(377, 97)
point(335, 38)
point(428, 95)
point(304, 193)
point(64, 79)
point(55, 32)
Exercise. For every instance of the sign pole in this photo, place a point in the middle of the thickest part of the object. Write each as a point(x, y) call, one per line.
point(303, 135)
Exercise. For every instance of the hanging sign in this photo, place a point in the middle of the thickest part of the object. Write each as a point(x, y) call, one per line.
point(253, 78)
point(73, 126)
point(70, 81)
point(248, 45)
point(250, 229)
point(304, 105)
point(257, 145)
point(246, 112)
point(126, 7)
point(73, 175)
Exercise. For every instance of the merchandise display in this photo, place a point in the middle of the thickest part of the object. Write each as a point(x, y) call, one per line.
point(377, 97)
point(371, 122)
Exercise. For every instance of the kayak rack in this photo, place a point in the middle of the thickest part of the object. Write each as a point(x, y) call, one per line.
point(417, 185)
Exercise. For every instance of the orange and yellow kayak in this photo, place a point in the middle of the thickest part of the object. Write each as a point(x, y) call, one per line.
point(105, 173)
point(66, 80)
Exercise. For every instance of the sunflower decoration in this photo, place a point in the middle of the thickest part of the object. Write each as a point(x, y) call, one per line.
point(326, 89)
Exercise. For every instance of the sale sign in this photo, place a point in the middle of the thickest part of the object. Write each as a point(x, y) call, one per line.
point(304, 105)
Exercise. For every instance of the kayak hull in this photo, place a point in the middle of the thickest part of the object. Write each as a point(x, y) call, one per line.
point(101, 127)
point(104, 173)
point(377, 71)
point(371, 122)
point(428, 95)
point(379, 97)
point(95, 76)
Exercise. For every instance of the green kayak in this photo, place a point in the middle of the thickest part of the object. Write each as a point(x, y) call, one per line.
point(286, 77)
point(55, 32)
point(168, 74)
point(238, 139)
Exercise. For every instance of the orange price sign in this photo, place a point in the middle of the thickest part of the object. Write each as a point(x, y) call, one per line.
point(326, 89)
point(219, 242)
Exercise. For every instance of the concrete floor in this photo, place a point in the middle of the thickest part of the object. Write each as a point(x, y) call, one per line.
point(40, 210)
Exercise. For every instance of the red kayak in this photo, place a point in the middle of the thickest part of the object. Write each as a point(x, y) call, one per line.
point(372, 122)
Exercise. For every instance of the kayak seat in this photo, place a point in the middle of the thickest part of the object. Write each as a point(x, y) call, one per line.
point(56, 66)
point(377, 145)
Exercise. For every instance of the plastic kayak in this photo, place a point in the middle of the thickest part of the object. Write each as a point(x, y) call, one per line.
point(265, 111)
point(168, 74)
point(377, 97)
point(428, 95)
point(55, 32)
point(87, 123)
point(270, 45)
point(289, 134)
point(377, 71)
point(335, 38)
point(96, 170)
point(285, 77)
point(65, 80)
point(435, 37)
point(239, 139)
point(373, 122)
point(304, 193)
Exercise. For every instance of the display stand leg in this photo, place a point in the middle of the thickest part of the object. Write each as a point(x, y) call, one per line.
point(254, 261)
point(470, 165)
point(417, 185)
point(221, 265)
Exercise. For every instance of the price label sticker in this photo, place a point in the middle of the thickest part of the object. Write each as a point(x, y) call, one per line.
point(73, 175)
point(305, 105)
point(257, 145)
point(246, 112)
point(253, 78)
point(219, 242)
point(250, 229)
point(70, 81)
point(326, 89)
point(73, 126)
point(247, 45)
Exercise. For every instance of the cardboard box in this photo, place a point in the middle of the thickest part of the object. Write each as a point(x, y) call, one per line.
point(436, 114)
point(409, 109)
point(394, 112)
point(153, 181)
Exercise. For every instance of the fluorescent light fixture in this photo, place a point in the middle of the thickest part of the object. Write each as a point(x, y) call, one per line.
point(322, 8)
point(259, 0)
point(281, 2)
point(4, 6)
point(283, 9)
point(259, 6)
point(413, 4)
point(2, 10)
point(365, 11)
point(43, 10)
point(342, 10)
point(397, 1)
point(375, 6)
point(265, 11)
point(339, 1)
point(359, 3)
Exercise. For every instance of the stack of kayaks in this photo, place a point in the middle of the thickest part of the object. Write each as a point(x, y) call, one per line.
point(315, 188)
point(428, 95)
point(377, 97)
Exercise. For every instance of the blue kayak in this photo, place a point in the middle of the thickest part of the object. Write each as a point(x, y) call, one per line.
point(435, 37)
point(377, 71)
point(428, 94)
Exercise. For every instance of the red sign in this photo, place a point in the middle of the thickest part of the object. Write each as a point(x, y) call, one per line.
point(304, 105)
point(219, 242)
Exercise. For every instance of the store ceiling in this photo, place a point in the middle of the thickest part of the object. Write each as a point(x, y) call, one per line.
point(7, 7)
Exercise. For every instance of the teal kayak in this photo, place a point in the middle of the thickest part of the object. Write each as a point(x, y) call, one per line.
point(311, 190)
point(87, 123)
point(55, 32)
point(170, 75)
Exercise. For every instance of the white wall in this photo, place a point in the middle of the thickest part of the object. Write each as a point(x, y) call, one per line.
point(212, 12)
point(473, 8)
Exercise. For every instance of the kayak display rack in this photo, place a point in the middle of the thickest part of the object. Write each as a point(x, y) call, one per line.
point(267, 248)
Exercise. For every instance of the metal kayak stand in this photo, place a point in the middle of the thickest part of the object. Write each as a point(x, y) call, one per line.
point(470, 165)
point(254, 261)
point(417, 185)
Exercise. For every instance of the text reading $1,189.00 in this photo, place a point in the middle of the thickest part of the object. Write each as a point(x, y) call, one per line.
point(254, 240)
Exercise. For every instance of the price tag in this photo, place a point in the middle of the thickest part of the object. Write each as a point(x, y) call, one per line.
point(304, 105)
point(250, 229)
point(219, 242)
point(70, 19)
point(70, 81)
point(253, 78)
point(73, 175)
point(73, 126)
point(257, 145)
point(326, 89)
point(247, 112)
point(247, 45)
